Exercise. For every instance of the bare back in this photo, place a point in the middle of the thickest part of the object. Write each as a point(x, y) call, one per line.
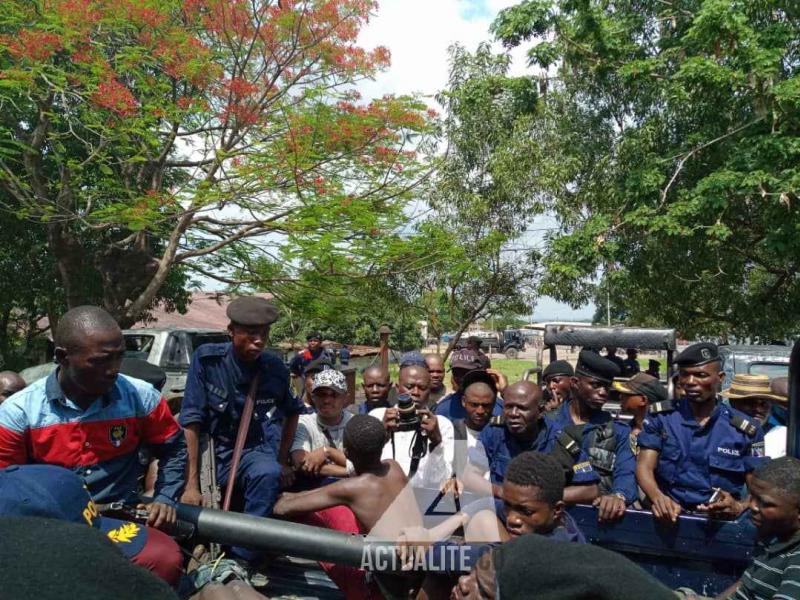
point(383, 503)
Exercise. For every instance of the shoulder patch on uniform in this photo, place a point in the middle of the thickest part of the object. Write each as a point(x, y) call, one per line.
point(497, 421)
point(211, 350)
point(661, 407)
point(744, 425)
point(582, 467)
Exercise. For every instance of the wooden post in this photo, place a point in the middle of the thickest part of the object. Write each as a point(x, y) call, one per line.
point(384, 332)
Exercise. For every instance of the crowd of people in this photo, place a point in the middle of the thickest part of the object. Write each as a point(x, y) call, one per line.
point(511, 456)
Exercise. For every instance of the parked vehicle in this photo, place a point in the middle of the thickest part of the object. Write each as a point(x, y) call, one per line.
point(171, 349)
point(772, 361)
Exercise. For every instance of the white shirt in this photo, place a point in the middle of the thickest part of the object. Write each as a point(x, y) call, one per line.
point(775, 442)
point(310, 433)
point(437, 464)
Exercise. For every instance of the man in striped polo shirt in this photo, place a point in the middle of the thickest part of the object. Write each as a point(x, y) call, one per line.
point(775, 511)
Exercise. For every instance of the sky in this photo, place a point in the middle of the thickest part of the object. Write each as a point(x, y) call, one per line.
point(418, 34)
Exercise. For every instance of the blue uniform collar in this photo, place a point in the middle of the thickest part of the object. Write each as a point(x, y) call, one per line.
point(535, 444)
point(597, 417)
point(688, 416)
point(54, 393)
point(242, 372)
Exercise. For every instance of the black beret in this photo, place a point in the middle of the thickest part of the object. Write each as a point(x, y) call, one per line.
point(251, 311)
point(654, 364)
point(314, 335)
point(698, 354)
point(558, 367)
point(568, 570)
point(591, 364)
point(321, 363)
point(474, 339)
point(141, 369)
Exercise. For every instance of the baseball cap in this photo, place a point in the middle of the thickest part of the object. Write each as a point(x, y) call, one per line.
point(57, 493)
point(330, 378)
point(641, 384)
point(465, 359)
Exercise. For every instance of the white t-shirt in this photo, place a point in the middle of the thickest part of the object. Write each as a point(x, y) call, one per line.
point(310, 433)
point(775, 442)
point(437, 464)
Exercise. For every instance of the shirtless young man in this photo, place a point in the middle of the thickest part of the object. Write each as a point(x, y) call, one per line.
point(378, 495)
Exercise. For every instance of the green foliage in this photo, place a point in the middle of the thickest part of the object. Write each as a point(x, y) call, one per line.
point(479, 197)
point(669, 149)
point(153, 138)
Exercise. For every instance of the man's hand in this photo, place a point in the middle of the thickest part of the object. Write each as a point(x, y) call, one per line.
point(314, 460)
point(391, 419)
point(430, 425)
point(665, 509)
point(452, 485)
point(610, 507)
point(500, 380)
point(287, 476)
point(727, 508)
point(412, 544)
point(160, 516)
point(192, 496)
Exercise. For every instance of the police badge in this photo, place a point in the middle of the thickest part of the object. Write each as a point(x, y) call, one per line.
point(116, 435)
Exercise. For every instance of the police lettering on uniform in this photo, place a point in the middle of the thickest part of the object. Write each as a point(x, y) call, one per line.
point(219, 379)
point(518, 430)
point(697, 453)
point(594, 449)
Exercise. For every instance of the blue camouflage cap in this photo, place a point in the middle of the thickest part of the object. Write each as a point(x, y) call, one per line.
point(57, 493)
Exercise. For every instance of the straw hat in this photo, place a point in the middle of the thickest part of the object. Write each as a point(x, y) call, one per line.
point(751, 386)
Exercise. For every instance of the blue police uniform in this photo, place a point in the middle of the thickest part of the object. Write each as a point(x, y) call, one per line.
point(623, 473)
point(216, 390)
point(496, 447)
point(693, 459)
point(451, 407)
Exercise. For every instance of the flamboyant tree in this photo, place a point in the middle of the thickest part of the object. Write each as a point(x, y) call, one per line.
point(149, 137)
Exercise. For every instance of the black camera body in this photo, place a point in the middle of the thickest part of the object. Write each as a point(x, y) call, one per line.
point(407, 409)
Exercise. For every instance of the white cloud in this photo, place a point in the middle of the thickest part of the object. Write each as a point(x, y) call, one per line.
point(418, 33)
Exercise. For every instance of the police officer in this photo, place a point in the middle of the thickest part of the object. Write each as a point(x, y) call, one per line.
point(698, 449)
point(520, 429)
point(557, 378)
point(462, 362)
point(217, 385)
point(594, 449)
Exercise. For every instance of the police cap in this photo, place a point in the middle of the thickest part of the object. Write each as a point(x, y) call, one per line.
point(653, 364)
point(251, 311)
point(557, 367)
point(698, 354)
point(591, 364)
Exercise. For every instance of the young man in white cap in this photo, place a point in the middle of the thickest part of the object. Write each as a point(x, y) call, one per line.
point(317, 449)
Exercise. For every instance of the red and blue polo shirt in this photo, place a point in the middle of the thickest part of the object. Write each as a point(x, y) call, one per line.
point(101, 444)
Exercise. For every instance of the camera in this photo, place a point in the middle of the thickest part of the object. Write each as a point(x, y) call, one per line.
point(407, 409)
